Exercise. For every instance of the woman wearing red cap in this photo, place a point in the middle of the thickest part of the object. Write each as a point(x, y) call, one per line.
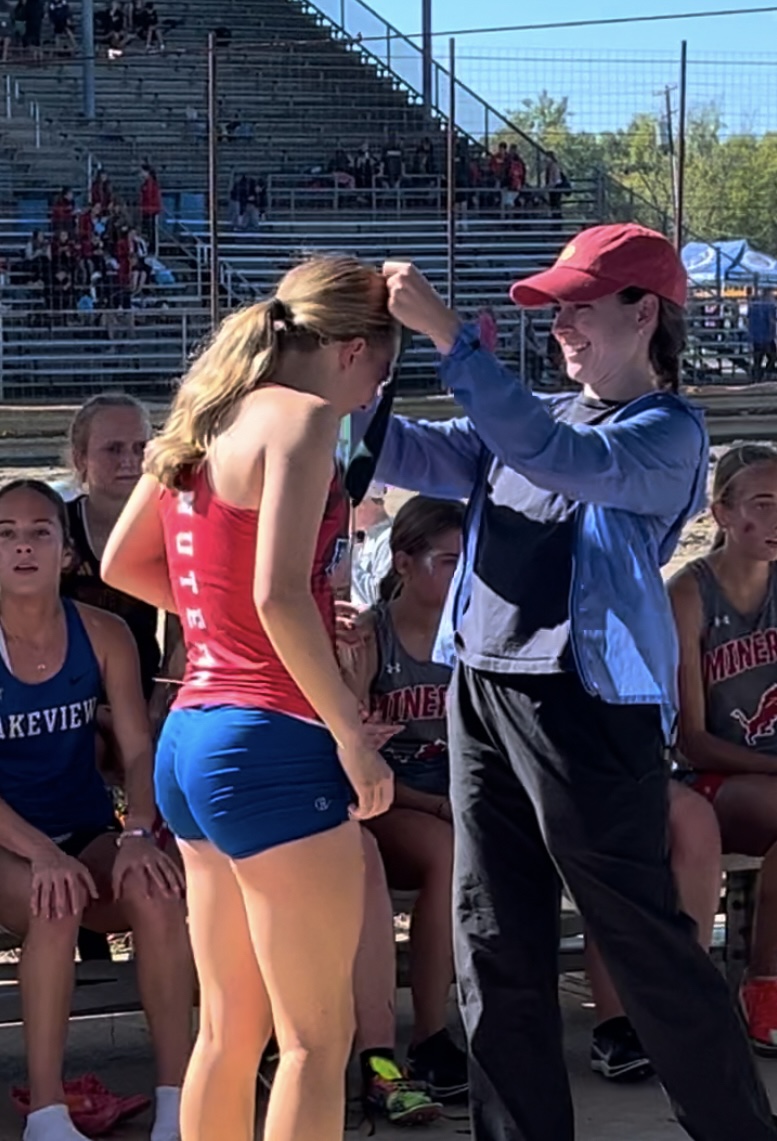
point(564, 698)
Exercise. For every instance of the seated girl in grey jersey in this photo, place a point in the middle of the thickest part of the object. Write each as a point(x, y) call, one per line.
point(393, 673)
point(725, 607)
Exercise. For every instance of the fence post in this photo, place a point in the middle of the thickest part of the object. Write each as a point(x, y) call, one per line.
point(8, 97)
point(522, 359)
point(388, 48)
point(37, 126)
point(213, 180)
point(185, 339)
point(342, 14)
point(486, 139)
point(680, 222)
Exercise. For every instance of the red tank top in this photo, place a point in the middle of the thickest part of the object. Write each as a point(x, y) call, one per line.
point(211, 552)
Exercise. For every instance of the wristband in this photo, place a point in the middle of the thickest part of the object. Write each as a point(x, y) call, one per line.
point(134, 834)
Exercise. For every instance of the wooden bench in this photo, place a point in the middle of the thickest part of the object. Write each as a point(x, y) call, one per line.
point(737, 906)
point(111, 988)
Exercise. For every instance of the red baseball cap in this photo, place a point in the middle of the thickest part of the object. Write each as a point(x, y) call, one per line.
point(605, 260)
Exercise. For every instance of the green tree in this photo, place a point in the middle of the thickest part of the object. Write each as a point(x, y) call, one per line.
point(730, 180)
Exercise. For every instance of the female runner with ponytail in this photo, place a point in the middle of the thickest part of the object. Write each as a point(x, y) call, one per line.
point(265, 753)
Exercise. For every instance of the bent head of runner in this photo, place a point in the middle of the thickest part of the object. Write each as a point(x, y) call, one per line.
point(744, 502)
point(108, 436)
point(327, 331)
point(34, 539)
point(619, 292)
point(426, 540)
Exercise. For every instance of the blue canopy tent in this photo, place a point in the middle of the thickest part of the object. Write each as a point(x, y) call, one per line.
point(728, 263)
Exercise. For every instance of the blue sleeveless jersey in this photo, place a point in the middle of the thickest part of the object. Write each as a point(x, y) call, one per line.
point(48, 769)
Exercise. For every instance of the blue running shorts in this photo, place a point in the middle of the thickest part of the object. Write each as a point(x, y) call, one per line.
point(246, 779)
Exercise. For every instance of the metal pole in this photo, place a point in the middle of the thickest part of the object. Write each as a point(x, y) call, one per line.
point(681, 147)
point(427, 48)
point(213, 180)
point(452, 173)
point(522, 352)
point(670, 143)
point(87, 50)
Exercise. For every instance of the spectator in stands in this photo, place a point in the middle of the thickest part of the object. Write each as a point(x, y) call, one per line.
point(249, 202)
point(37, 258)
point(148, 26)
point(499, 165)
point(64, 858)
point(365, 168)
point(101, 192)
point(63, 271)
point(33, 27)
point(341, 166)
point(371, 559)
point(556, 182)
point(63, 211)
point(116, 28)
point(6, 28)
point(393, 671)
point(424, 159)
point(19, 24)
point(122, 251)
point(85, 236)
point(762, 332)
point(139, 264)
point(61, 24)
point(134, 20)
point(725, 606)
point(150, 206)
point(393, 162)
point(516, 169)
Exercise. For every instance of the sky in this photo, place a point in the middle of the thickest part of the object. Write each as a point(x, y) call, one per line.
point(607, 72)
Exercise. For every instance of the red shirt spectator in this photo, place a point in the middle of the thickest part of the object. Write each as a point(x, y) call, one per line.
point(63, 211)
point(124, 258)
point(516, 175)
point(86, 233)
point(101, 192)
point(499, 164)
point(150, 193)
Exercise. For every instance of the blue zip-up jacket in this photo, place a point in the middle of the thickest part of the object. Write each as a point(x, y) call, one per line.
point(639, 477)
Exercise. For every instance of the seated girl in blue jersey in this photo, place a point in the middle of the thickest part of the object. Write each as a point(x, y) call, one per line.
point(392, 670)
point(64, 859)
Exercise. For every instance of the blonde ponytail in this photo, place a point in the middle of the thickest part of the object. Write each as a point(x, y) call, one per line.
point(324, 298)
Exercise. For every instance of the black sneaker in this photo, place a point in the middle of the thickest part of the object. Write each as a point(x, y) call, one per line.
point(617, 1054)
point(441, 1066)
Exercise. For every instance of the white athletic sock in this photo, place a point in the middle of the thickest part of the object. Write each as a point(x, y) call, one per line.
point(167, 1125)
point(52, 1123)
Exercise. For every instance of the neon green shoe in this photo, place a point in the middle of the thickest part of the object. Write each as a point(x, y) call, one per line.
point(389, 1093)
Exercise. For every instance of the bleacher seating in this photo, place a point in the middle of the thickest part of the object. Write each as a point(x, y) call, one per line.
point(297, 86)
